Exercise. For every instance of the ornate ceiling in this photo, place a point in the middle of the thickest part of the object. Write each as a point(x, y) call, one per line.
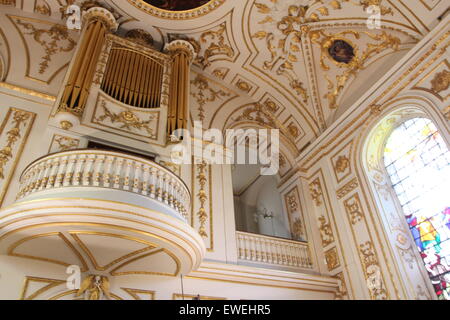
point(293, 65)
point(177, 5)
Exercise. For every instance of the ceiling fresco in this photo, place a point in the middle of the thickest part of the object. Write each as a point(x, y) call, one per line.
point(294, 65)
point(177, 5)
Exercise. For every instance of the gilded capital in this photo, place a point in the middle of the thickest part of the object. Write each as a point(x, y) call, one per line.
point(177, 46)
point(103, 15)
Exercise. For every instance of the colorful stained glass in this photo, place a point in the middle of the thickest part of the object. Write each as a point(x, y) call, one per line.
point(418, 161)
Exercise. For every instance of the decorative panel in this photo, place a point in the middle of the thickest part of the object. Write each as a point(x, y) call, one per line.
point(329, 234)
point(202, 214)
point(14, 133)
point(295, 216)
point(436, 81)
point(119, 118)
point(367, 253)
point(52, 43)
point(341, 163)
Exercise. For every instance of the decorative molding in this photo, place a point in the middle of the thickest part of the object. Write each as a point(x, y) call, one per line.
point(326, 232)
point(341, 162)
point(202, 215)
point(315, 190)
point(353, 209)
point(204, 94)
point(332, 259)
point(202, 207)
point(176, 15)
point(346, 189)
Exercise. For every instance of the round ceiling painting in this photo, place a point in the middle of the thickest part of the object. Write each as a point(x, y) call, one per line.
point(177, 5)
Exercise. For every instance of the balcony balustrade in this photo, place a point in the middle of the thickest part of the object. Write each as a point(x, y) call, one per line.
point(109, 170)
point(259, 249)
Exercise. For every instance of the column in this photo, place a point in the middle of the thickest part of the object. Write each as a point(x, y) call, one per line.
point(97, 22)
point(182, 53)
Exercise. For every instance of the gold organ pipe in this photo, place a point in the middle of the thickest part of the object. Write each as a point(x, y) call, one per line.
point(182, 54)
point(108, 72)
point(138, 80)
point(110, 76)
point(92, 65)
point(142, 75)
point(148, 69)
point(147, 84)
point(74, 95)
point(70, 97)
point(152, 77)
point(117, 74)
point(159, 84)
point(133, 78)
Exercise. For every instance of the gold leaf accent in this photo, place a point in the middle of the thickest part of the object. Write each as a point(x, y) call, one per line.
point(441, 81)
point(266, 20)
point(127, 118)
point(57, 33)
point(260, 35)
point(323, 11)
point(13, 135)
point(205, 94)
point(262, 8)
point(202, 196)
point(335, 4)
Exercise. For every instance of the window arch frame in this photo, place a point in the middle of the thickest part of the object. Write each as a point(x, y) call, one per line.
point(409, 265)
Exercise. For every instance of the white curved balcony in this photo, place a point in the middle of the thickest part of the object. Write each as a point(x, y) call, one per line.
point(98, 173)
point(118, 213)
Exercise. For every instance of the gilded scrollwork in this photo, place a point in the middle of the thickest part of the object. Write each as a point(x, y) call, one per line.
point(202, 92)
point(441, 81)
point(12, 136)
point(353, 209)
point(295, 216)
point(127, 119)
point(332, 259)
point(326, 233)
point(283, 37)
point(14, 133)
point(315, 189)
point(343, 292)
point(377, 3)
point(383, 41)
point(264, 115)
point(372, 271)
point(202, 214)
point(63, 143)
point(209, 45)
point(42, 7)
point(53, 40)
point(347, 188)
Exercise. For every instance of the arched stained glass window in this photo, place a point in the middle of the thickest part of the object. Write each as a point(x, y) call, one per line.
point(418, 162)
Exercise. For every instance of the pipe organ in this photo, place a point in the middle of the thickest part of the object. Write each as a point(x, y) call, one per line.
point(133, 78)
point(131, 73)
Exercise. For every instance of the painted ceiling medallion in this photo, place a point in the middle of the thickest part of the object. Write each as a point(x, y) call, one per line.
point(177, 5)
point(341, 51)
point(177, 9)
